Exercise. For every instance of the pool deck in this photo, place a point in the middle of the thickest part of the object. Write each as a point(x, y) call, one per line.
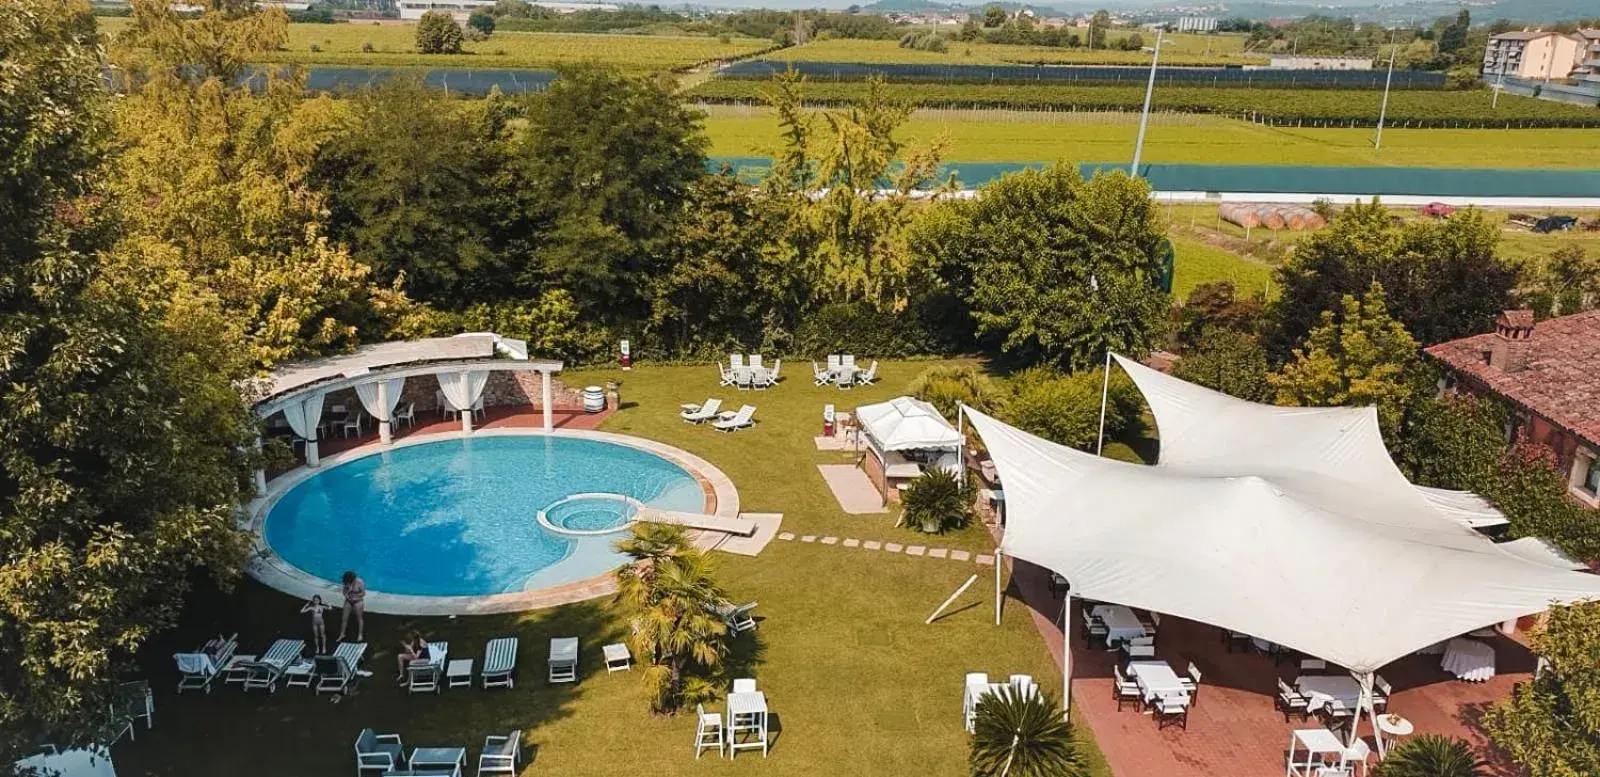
point(722, 502)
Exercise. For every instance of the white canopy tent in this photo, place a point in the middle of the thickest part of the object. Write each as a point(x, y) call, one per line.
point(1288, 524)
point(904, 431)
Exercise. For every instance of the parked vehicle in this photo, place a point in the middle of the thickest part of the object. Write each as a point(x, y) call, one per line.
point(1437, 210)
point(1555, 224)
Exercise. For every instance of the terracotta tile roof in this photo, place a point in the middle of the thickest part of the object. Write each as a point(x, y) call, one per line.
point(1562, 379)
point(1517, 318)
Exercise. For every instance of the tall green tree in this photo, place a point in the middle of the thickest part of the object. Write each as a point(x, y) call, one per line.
point(1567, 281)
point(1023, 735)
point(607, 162)
point(119, 445)
point(1357, 356)
point(1453, 38)
point(1056, 269)
point(418, 186)
point(438, 33)
point(1229, 361)
point(221, 222)
point(1453, 441)
point(1442, 277)
point(1551, 724)
point(670, 597)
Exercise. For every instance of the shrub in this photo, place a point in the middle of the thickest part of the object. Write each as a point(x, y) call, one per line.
point(945, 386)
point(437, 33)
point(366, 47)
point(315, 49)
point(482, 21)
point(858, 328)
point(1431, 755)
point(937, 501)
point(474, 35)
point(1066, 408)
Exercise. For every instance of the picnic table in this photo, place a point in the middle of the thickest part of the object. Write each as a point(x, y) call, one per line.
point(1157, 680)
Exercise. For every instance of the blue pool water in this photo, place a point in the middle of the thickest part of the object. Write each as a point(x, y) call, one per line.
point(459, 517)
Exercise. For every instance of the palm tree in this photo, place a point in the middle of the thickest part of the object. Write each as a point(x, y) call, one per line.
point(937, 500)
point(1023, 735)
point(1431, 755)
point(670, 597)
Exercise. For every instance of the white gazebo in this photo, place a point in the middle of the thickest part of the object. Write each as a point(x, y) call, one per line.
point(905, 436)
point(378, 374)
point(1288, 524)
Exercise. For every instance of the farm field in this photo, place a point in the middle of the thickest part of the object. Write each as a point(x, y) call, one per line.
point(1199, 263)
point(1178, 49)
point(1329, 107)
point(1022, 136)
point(342, 44)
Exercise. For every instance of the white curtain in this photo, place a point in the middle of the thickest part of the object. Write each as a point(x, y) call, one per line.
point(463, 389)
point(304, 416)
point(368, 393)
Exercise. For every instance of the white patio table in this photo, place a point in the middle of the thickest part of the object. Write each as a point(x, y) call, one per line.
point(1157, 680)
point(1468, 659)
point(747, 713)
point(1121, 624)
point(1317, 744)
point(1319, 689)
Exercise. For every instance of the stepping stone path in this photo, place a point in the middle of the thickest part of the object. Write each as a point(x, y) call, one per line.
point(892, 547)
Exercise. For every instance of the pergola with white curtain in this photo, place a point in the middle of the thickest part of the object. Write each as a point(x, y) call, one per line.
point(378, 373)
point(1289, 524)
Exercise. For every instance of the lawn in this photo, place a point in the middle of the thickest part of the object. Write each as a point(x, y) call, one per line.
point(391, 43)
point(1039, 136)
point(1178, 50)
point(1199, 263)
point(856, 682)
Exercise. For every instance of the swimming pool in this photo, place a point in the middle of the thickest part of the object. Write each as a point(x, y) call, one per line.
point(459, 517)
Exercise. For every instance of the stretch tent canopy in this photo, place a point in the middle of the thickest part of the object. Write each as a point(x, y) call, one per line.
point(1289, 524)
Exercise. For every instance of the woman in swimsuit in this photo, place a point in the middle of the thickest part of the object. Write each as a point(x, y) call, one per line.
point(355, 598)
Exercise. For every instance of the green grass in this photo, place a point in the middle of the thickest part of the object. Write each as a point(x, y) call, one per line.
point(1031, 136)
point(1178, 50)
point(341, 44)
point(857, 683)
point(1199, 263)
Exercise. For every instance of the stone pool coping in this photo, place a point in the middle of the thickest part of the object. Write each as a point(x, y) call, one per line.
point(266, 566)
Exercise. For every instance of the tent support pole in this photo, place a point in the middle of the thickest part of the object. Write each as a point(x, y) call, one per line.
point(999, 561)
point(1105, 390)
point(953, 597)
point(1372, 715)
point(1066, 656)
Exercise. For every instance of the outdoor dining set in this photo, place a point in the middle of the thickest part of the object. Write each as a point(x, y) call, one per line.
point(1149, 684)
point(841, 371)
point(978, 687)
point(749, 375)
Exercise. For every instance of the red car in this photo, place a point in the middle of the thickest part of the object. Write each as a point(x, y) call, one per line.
point(1437, 210)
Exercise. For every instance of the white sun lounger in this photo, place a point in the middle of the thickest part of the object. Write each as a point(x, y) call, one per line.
point(738, 618)
point(706, 412)
point(745, 417)
point(499, 663)
point(195, 670)
point(425, 676)
point(266, 671)
point(564, 659)
point(336, 672)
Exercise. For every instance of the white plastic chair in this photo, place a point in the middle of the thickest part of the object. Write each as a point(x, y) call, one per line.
point(755, 360)
point(1357, 754)
point(819, 376)
point(735, 360)
point(1124, 689)
point(500, 754)
point(707, 731)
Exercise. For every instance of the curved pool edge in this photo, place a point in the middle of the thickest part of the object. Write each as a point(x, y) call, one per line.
point(272, 570)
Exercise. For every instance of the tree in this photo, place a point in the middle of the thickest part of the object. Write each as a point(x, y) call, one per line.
point(120, 464)
point(1056, 269)
point(417, 186)
point(1453, 441)
point(994, 16)
point(946, 386)
point(1229, 361)
point(1566, 282)
point(1018, 734)
point(1066, 408)
point(1532, 492)
point(1431, 755)
point(670, 598)
point(1442, 277)
point(937, 501)
point(607, 162)
point(727, 279)
point(1359, 356)
point(1217, 305)
point(1097, 29)
point(223, 229)
point(482, 21)
point(438, 33)
point(1551, 724)
point(1453, 38)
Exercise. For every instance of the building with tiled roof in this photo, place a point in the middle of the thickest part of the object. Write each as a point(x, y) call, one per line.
point(1549, 373)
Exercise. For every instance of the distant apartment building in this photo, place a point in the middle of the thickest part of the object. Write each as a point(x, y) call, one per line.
point(1589, 67)
point(1311, 62)
point(1196, 24)
point(461, 9)
point(1533, 54)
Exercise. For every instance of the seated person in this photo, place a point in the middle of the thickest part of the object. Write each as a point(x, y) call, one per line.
point(412, 648)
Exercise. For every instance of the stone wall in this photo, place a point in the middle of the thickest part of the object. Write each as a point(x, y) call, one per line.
point(503, 388)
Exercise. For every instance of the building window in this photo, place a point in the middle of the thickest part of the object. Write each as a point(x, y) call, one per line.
point(1591, 480)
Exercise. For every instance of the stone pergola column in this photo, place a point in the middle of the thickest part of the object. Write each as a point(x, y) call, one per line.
point(466, 412)
point(260, 475)
point(545, 398)
point(385, 426)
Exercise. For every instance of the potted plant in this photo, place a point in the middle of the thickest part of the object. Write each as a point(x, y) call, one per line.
point(937, 501)
point(1023, 735)
point(1431, 756)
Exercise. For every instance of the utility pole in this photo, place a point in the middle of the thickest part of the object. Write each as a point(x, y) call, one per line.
point(1377, 142)
point(1149, 90)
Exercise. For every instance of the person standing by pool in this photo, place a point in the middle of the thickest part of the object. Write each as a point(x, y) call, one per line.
point(319, 629)
point(355, 599)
